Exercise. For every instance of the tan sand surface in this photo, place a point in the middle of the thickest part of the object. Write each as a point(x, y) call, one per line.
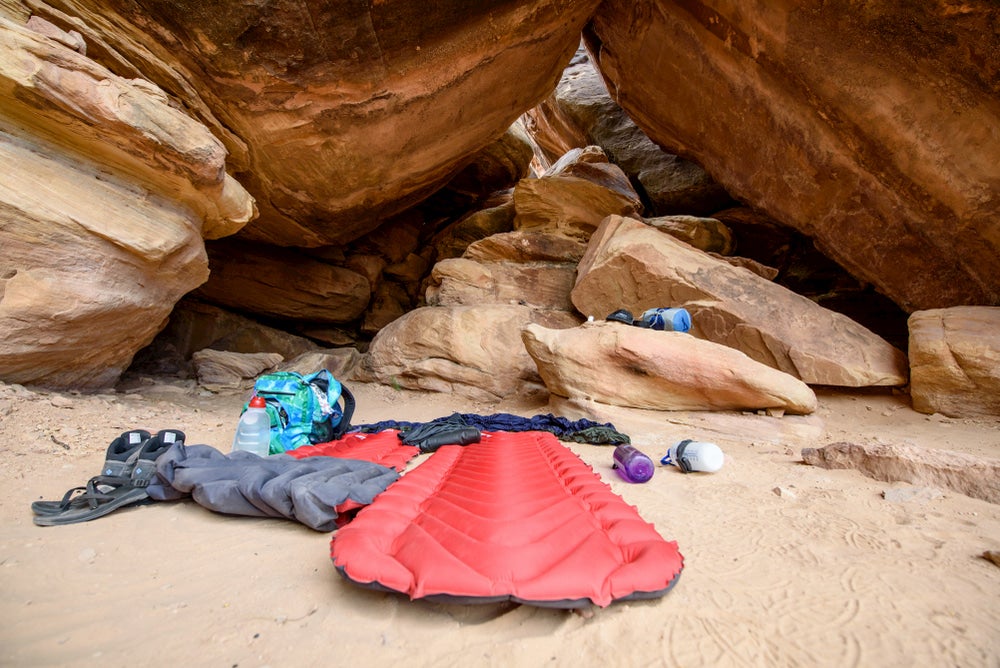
point(822, 572)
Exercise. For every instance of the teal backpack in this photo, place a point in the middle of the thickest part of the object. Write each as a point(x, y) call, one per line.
point(304, 409)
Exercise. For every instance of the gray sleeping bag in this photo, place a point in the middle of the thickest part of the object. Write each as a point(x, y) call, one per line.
point(240, 483)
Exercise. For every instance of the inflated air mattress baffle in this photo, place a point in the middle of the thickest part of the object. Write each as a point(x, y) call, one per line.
point(517, 516)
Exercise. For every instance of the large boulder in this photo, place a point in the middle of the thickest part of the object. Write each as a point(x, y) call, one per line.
point(341, 114)
point(635, 266)
point(575, 196)
point(224, 370)
point(106, 195)
point(955, 361)
point(475, 351)
point(872, 131)
point(707, 234)
point(618, 364)
point(536, 269)
point(522, 246)
point(542, 285)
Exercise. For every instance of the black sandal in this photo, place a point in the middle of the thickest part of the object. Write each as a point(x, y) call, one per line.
point(104, 494)
point(118, 463)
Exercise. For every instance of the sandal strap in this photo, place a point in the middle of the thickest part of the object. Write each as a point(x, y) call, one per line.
point(70, 495)
point(88, 494)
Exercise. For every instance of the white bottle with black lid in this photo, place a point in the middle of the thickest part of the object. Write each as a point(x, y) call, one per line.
point(691, 456)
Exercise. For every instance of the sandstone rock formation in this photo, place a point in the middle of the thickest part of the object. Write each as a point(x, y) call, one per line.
point(978, 477)
point(195, 326)
point(339, 115)
point(273, 282)
point(105, 198)
point(955, 361)
point(707, 234)
point(536, 269)
point(535, 265)
point(496, 217)
point(580, 112)
point(634, 266)
point(573, 200)
point(871, 131)
point(520, 246)
point(221, 370)
point(346, 120)
point(542, 285)
point(475, 351)
point(630, 366)
point(794, 261)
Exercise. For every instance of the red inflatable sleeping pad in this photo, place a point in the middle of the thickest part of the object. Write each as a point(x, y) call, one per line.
point(517, 516)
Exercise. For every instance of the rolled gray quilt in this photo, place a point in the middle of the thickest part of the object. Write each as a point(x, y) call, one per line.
point(241, 483)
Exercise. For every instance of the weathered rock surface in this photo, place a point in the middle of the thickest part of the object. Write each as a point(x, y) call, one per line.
point(581, 112)
point(221, 370)
point(125, 126)
point(572, 205)
point(871, 131)
point(535, 265)
point(341, 362)
point(641, 368)
point(496, 218)
point(543, 285)
point(795, 262)
point(471, 350)
point(634, 266)
point(105, 197)
point(707, 234)
point(536, 269)
point(195, 326)
point(978, 477)
point(271, 281)
point(522, 246)
point(955, 361)
point(765, 272)
point(341, 114)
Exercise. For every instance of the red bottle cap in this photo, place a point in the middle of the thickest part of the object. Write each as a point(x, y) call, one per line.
point(258, 402)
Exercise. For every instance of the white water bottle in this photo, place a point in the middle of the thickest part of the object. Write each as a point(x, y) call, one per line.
point(253, 433)
point(691, 456)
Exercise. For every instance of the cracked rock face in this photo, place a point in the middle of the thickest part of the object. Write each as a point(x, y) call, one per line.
point(955, 361)
point(872, 131)
point(339, 114)
point(106, 200)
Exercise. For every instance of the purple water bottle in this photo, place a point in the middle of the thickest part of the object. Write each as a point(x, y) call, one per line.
point(632, 465)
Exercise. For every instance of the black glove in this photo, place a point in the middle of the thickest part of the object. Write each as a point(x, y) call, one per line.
point(431, 436)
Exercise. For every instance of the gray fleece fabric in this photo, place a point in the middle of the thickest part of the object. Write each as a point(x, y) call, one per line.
point(241, 483)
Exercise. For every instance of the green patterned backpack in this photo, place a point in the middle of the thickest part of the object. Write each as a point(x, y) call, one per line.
point(304, 409)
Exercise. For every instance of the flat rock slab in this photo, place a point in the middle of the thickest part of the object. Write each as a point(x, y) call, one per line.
point(642, 368)
point(978, 477)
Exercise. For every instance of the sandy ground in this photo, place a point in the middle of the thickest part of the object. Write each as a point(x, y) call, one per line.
point(823, 572)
